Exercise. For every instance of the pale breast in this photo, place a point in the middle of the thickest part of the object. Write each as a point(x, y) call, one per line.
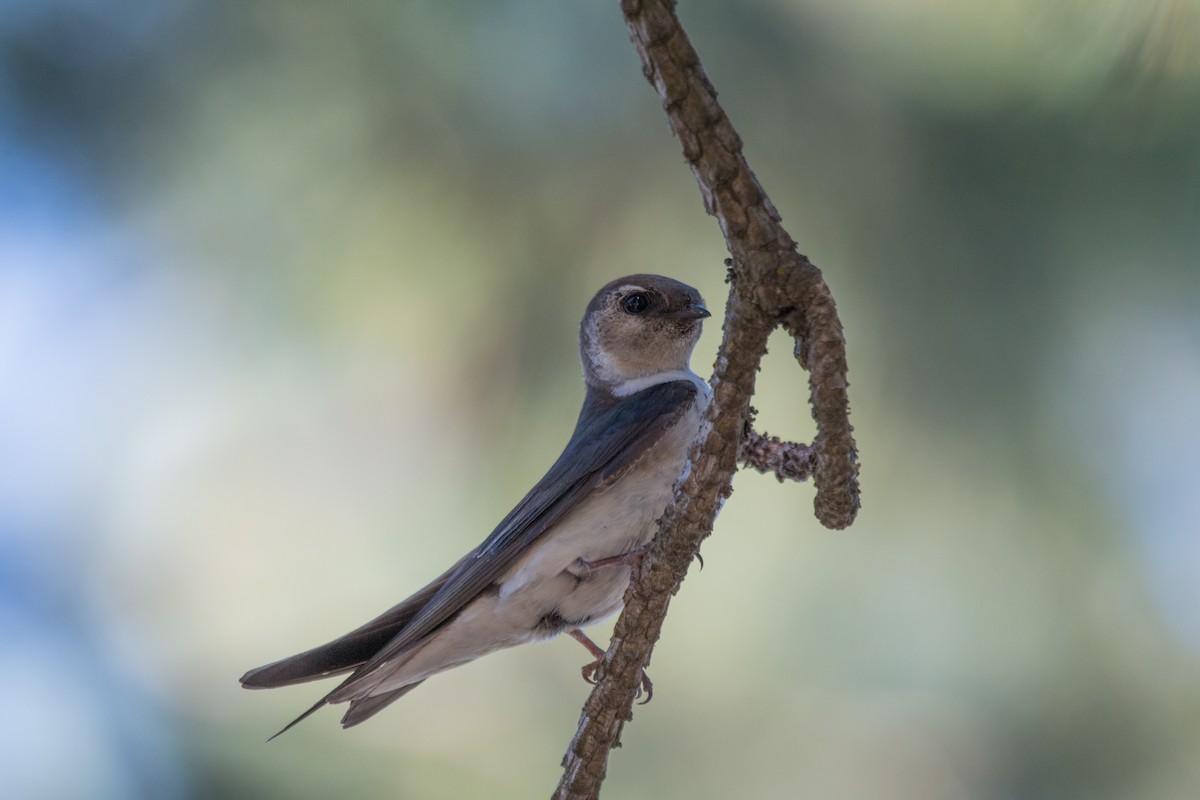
point(613, 521)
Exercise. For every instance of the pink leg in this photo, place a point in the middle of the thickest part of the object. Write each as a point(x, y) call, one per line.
point(592, 671)
point(632, 559)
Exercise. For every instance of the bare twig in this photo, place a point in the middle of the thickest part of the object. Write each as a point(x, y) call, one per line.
point(788, 460)
point(771, 285)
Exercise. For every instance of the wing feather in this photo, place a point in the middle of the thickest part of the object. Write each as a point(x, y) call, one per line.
point(605, 444)
point(346, 652)
point(610, 436)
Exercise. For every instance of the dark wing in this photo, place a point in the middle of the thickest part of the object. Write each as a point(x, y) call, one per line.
point(609, 437)
point(606, 442)
point(346, 652)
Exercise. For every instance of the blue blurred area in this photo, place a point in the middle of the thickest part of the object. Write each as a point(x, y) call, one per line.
point(288, 305)
point(67, 695)
point(78, 723)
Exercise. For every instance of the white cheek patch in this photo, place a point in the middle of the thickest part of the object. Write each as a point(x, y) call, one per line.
point(604, 365)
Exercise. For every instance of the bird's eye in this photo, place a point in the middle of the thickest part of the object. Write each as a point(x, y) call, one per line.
point(636, 303)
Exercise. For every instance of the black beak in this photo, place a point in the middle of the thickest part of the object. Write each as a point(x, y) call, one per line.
point(694, 311)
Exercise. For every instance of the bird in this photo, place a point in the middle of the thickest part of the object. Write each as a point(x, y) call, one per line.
point(563, 557)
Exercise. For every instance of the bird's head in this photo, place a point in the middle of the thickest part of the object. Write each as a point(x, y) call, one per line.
point(639, 326)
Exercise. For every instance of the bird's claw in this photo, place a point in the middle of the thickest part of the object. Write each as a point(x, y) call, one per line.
point(593, 671)
point(646, 687)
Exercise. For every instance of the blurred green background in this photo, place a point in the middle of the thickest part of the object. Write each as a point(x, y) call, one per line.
point(288, 296)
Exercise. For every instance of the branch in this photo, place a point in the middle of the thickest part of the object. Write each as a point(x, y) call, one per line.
point(787, 460)
point(771, 285)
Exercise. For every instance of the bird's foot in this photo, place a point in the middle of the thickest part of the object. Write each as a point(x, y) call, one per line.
point(593, 671)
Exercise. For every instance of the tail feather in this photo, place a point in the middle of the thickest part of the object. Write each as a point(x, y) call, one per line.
point(366, 707)
point(300, 718)
point(338, 656)
point(346, 652)
point(361, 708)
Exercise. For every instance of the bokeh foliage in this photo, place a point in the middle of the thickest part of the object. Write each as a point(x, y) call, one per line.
point(288, 295)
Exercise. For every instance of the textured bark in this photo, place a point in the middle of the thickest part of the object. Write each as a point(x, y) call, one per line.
point(770, 285)
point(787, 460)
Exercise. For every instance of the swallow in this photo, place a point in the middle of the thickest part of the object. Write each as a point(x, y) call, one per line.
point(564, 556)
